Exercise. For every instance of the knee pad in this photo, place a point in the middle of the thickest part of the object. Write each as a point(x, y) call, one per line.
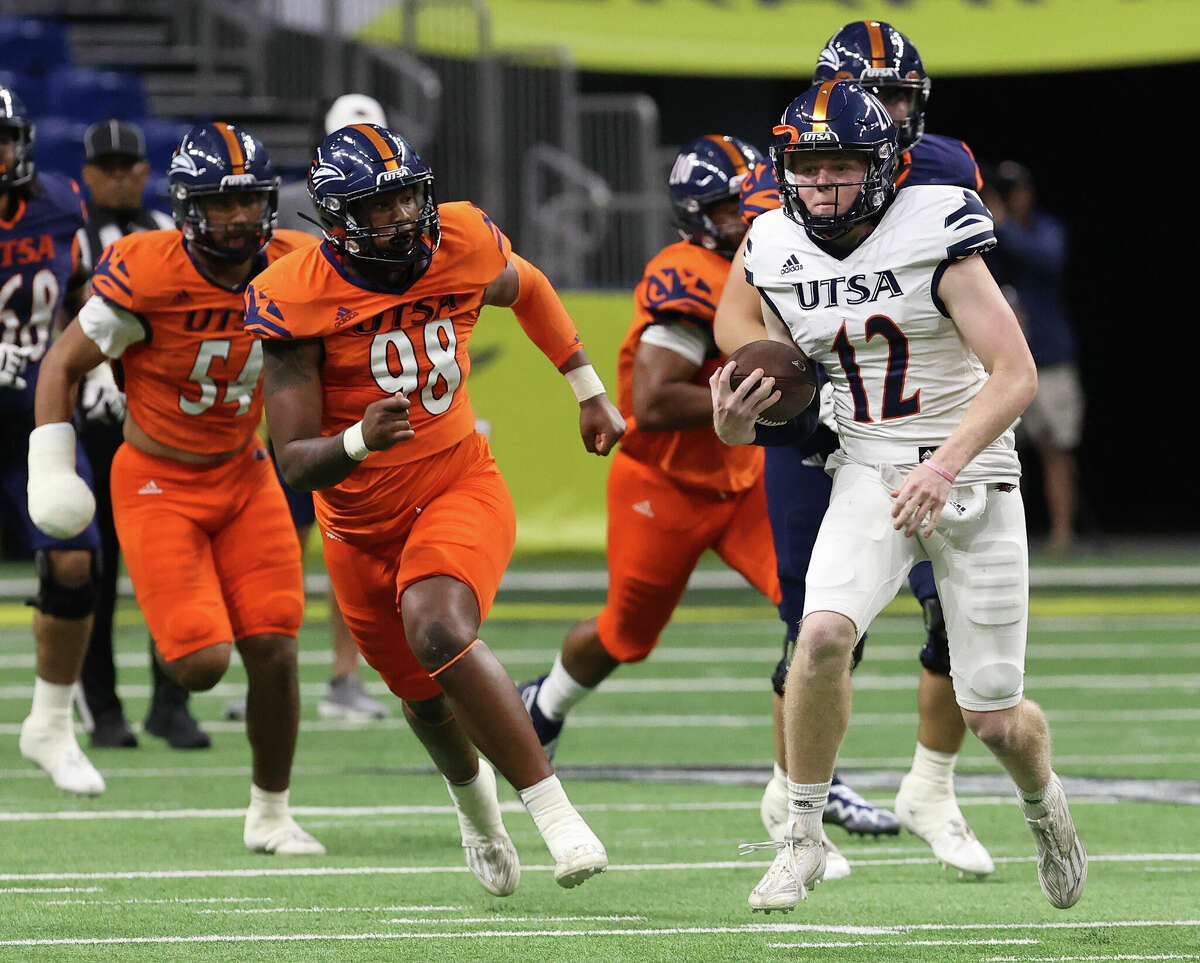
point(186, 626)
point(63, 601)
point(996, 681)
point(286, 611)
point(935, 655)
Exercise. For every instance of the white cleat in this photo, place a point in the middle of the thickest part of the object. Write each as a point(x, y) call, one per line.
point(799, 865)
point(1062, 862)
point(837, 866)
point(57, 752)
point(939, 822)
point(281, 836)
point(491, 856)
point(774, 808)
point(584, 856)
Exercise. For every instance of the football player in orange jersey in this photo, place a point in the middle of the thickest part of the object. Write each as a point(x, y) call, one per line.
point(674, 489)
point(202, 521)
point(366, 367)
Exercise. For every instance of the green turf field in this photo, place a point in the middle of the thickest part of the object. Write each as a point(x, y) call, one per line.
point(667, 762)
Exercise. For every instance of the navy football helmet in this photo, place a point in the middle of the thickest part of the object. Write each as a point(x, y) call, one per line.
point(836, 116)
point(880, 58)
point(361, 161)
point(222, 159)
point(709, 169)
point(15, 120)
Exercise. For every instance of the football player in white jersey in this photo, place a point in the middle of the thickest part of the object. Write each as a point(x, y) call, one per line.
point(929, 371)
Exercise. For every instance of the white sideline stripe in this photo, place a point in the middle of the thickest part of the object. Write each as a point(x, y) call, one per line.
point(169, 900)
point(767, 654)
point(435, 870)
point(392, 909)
point(749, 928)
point(862, 683)
point(834, 944)
point(344, 813)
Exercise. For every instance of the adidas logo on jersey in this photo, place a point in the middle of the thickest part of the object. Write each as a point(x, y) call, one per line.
point(150, 488)
point(790, 265)
point(181, 297)
point(643, 508)
point(344, 315)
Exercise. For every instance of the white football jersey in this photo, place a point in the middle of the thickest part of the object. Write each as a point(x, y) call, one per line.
point(903, 376)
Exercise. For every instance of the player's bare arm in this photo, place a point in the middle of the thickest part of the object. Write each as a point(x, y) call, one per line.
point(983, 317)
point(739, 318)
point(72, 355)
point(293, 396)
point(665, 396)
point(544, 319)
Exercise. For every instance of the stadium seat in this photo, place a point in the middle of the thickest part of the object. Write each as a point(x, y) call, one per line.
point(87, 94)
point(58, 145)
point(32, 46)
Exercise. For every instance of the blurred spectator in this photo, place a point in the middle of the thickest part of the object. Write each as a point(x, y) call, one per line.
point(115, 174)
point(1030, 265)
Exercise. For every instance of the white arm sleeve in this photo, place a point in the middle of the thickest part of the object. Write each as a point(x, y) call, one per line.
point(681, 338)
point(112, 328)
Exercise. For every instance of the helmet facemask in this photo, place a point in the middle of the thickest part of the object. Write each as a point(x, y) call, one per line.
point(226, 241)
point(21, 134)
point(873, 188)
point(402, 243)
point(913, 92)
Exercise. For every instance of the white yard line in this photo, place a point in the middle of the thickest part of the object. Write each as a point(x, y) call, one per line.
point(1081, 959)
point(834, 944)
point(292, 871)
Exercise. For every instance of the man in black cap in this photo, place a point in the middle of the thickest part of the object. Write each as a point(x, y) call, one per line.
point(115, 174)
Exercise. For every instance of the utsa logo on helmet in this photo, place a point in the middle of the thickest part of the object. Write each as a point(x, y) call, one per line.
point(215, 159)
point(836, 116)
point(359, 162)
point(707, 171)
point(884, 61)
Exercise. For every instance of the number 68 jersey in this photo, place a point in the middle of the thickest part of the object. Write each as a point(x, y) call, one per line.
point(903, 376)
point(191, 371)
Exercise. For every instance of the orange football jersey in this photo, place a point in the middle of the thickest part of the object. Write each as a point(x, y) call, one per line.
point(194, 382)
point(686, 280)
point(378, 341)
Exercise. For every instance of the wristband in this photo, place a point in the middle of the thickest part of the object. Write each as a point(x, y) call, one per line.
point(52, 448)
point(584, 382)
point(928, 463)
point(352, 441)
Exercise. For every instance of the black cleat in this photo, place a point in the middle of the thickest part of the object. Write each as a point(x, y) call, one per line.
point(113, 733)
point(175, 723)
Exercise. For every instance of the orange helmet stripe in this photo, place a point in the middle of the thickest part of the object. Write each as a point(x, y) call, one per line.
point(735, 155)
point(386, 154)
point(878, 47)
point(821, 106)
point(236, 157)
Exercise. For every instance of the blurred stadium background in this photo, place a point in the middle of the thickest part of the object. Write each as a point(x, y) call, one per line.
point(560, 117)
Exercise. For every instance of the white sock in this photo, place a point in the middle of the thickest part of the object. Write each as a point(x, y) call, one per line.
point(780, 775)
point(51, 703)
point(560, 693)
point(806, 806)
point(267, 804)
point(552, 812)
point(935, 768)
point(474, 801)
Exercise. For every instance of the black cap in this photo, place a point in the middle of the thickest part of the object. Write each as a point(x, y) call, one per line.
point(114, 138)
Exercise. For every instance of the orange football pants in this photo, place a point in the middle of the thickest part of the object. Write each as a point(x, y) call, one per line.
point(386, 528)
point(211, 549)
point(657, 531)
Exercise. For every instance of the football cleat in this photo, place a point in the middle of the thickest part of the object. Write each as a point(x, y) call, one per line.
point(848, 809)
point(798, 866)
point(57, 752)
point(1062, 862)
point(279, 835)
point(346, 698)
point(547, 729)
point(936, 819)
point(578, 855)
point(491, 855)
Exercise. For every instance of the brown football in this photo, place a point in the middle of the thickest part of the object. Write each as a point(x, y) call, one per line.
point(795, 379)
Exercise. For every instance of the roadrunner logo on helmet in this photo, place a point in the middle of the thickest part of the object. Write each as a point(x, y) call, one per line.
point(836, 116)
point(361, 161)
point(219, 160)
point(708, 170)
point(15, 120)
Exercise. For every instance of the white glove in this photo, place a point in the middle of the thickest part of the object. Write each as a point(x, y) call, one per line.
point(99, 398)
point(13, 359)
point(60, 502)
